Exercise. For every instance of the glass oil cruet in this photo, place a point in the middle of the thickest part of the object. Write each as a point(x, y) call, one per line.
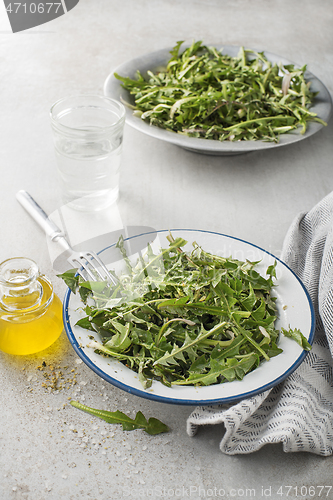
point(30, 312)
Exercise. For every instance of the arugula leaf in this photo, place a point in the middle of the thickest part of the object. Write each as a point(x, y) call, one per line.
point(152, 426)
point(189, 343)
point(70, 279)
point(298, 336)
point(231, 369)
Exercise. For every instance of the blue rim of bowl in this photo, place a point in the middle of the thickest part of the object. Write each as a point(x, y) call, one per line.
point(188, 402)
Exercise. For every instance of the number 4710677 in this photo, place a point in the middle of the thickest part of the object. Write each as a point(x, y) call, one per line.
point(304, 491)
point(32, 8)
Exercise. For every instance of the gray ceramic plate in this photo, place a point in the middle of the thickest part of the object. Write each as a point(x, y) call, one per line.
point(112, 88)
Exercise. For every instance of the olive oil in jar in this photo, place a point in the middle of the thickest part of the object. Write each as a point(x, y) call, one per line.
point(30, 313)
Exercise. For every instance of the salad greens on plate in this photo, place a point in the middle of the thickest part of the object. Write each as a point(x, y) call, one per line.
point(184, 318)
point(204, 93)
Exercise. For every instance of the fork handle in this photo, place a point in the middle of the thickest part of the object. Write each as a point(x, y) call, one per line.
point(38, 214)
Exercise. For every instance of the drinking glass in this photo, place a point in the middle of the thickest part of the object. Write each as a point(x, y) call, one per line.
point(88, 137)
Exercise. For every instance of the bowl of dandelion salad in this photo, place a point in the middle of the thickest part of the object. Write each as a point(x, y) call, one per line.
point(220, 101)
point(196, 318)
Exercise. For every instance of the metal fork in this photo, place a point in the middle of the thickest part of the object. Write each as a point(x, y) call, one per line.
point(88, 264)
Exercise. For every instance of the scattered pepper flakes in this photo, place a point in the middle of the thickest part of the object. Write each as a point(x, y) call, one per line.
point(56, 379)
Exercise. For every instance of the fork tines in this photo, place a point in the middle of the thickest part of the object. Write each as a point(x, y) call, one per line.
point(89, 264)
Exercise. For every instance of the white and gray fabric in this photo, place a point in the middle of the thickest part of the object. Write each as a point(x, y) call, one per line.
point(298, 412)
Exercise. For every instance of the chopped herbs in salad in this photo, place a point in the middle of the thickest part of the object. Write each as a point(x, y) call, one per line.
point(184, 318)
point(204, 93)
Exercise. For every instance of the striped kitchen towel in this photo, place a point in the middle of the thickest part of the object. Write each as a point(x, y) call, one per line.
point(299, 411)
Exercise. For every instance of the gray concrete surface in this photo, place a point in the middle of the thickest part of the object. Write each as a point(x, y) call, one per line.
point(49, 450)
